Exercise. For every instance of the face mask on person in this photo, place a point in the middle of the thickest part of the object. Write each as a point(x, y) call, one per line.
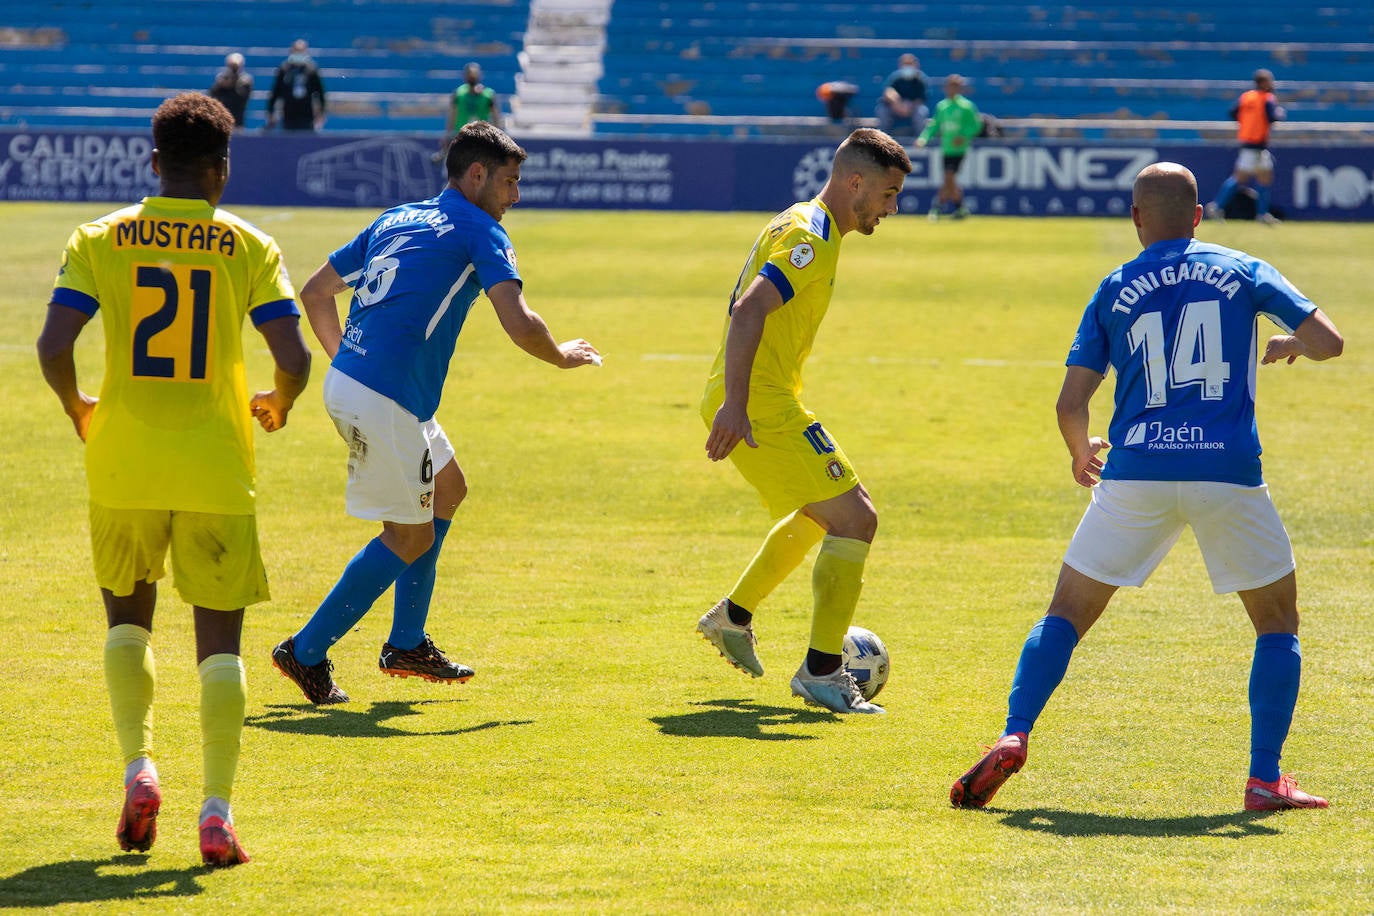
point(908, 72)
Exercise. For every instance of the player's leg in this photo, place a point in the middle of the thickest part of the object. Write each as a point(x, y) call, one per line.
point(217, 568)
point(129, 548)
point(408, 650)
point(1126, 531)
point(1275, 674)
point(1247, 551)
point(223, 698)
point(836, 580)
point(1264, 186)
point(729, 624)
point(391, 480)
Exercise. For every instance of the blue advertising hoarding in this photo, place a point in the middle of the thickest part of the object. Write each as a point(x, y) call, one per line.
point(376, 171)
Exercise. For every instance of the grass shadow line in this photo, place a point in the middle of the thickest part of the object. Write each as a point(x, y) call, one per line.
point(341, 721)
point(740, 719)
point(1233, 824)
point(81, 881)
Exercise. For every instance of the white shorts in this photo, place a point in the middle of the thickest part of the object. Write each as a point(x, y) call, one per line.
point(392, 456)
point(1131, 524)
point(1254, 160)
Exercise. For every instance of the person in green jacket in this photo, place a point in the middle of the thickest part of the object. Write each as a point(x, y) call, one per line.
point(470, 102)
point(957, 122)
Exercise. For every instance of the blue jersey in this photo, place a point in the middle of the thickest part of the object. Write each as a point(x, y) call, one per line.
point(415, 273)
point(1178, 325)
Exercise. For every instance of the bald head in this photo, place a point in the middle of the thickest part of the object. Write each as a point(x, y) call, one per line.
point(1164, 202)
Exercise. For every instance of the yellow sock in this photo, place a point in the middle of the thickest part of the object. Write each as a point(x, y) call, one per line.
point(836, 580)
point(131, 677)
point(782, 551)
point(223, 696)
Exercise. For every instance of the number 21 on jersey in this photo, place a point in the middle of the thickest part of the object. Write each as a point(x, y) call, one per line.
point(171, 317)
point(1197, 353)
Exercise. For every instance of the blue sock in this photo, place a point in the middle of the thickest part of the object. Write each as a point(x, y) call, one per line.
point(1228, 190)
point(1044, 659)
point(367, 575)
point(414, 588)
point(1274, 677)
point(1262, 192)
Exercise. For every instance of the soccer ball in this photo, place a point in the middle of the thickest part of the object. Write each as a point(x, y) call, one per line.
point(866, 658)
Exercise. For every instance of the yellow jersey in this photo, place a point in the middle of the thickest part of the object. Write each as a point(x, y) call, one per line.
point(797, 252)
point(172, 280)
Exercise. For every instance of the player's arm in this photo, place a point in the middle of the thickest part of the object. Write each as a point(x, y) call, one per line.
point(317, 296)
point(731, 426)
point(1080, 384)
point(1316, 338)
point(529, 332)
point(292, 359)
point(56, 343)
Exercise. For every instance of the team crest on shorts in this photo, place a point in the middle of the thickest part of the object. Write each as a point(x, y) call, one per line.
point(426, 498)
point(835, 469)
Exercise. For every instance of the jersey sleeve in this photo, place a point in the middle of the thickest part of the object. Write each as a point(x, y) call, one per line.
point(1091, 347)
point(75, 284)
point(798, 259)
point(350, 259)
point(493, 257)
point(272, 295)
point(1279, 299)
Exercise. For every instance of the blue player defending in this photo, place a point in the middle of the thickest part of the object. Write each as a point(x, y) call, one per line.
point(1178, 326)
point(415, 273)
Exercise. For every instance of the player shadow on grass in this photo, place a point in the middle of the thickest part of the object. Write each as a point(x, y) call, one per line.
point(344, 722)
point(740, 719)
point(87, 881)
point(1234, 825)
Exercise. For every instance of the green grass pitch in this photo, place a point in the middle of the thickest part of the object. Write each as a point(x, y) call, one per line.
point(604, 759)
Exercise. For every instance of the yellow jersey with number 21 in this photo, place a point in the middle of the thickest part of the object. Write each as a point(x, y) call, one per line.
point(172, 279)
point(797, 252)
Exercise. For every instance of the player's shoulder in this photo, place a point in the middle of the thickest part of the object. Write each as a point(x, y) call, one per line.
point(243, 227)
point(806, 221)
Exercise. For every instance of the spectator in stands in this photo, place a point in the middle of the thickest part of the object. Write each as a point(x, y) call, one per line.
point(232, 88)
point(1256, 110)
point(299, 90)
point(836, 95)
point(470, 102)
point(904, 97)
point(957, 121)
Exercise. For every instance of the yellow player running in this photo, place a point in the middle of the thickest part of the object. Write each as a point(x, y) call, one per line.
point(169, 442)
point(753, 396)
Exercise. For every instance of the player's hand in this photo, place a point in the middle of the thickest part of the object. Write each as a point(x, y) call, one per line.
point(921, 141)
point(1282, 346)
point(1087, 468)
point(270, 409)
point(729, 428)
point(81, 416)
point(578, 353)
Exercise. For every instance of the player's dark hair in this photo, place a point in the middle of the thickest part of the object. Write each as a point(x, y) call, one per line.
point(482, 142)
point(867, 146)
point(191, 133)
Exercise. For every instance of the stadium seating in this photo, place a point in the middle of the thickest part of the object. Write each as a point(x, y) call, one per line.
point(386, 64)
point(669, 64)
point(736, 67)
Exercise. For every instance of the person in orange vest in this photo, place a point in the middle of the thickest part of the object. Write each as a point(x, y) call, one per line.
point(1256, 111)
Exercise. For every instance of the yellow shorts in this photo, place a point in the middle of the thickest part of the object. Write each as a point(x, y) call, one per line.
point(796, 463)
point(216, 561)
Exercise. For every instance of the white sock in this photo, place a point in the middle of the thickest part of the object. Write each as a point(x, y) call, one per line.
point(138, 766)
point(215, 807)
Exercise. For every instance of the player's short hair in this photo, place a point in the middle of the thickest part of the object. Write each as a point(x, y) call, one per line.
point(191, 132)
point(1167, 189)
point(481, 141)
point(1263, 76)
point(867, 148)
